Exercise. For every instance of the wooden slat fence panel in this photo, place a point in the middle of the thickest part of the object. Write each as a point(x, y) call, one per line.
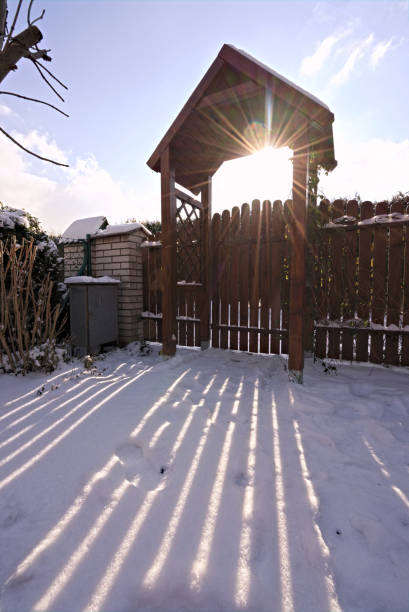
point(322, 282)
point(234, 276)
point(369, 275)
point(244, 274)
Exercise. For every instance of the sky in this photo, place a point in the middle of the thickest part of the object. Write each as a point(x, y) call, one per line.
point(131, 65)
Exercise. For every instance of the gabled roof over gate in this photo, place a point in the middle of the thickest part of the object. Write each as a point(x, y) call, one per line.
point(239, 107)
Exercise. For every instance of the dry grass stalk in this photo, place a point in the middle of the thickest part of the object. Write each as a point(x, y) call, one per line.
point(27, 318)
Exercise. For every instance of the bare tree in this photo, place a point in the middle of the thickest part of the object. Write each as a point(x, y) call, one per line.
point(13, 48)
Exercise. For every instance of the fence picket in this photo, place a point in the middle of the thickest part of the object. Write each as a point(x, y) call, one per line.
point(224, 267)
point(265, 277)
point(379, 284)
point(215, 237)
point(322, 282)
point(244, 274)
point(234, 275)
point(277, 237)
point(395, 283)
point(254, 273)
point(350, 271)
point(364, 280)
point(336, 285)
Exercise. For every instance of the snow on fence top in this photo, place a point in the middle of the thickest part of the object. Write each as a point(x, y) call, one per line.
point(348, 221)
point(79, 229)
point(90, 280)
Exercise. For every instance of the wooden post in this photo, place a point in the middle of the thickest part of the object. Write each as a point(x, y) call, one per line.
point(168, 281)
point(298, 230)
point(205, 218)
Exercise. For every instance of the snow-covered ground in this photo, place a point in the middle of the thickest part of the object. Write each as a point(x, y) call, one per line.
point(206, 482)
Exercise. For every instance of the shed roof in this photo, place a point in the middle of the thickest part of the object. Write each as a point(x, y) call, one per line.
point(239, 107)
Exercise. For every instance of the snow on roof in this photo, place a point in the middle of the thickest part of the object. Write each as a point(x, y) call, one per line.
point(88, 280)
point(121, 228)
point(279, 76)
point(79, 229)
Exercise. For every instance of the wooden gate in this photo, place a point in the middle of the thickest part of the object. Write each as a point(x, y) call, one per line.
point(249, 278)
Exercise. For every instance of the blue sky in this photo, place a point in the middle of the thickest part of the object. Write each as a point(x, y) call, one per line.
point(131, 65)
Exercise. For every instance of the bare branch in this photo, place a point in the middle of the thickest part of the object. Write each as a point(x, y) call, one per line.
point(29, 14)
point(10, 93)
point(31, 152)
point(3, 20)
point(36, 64)
point(13, 25)
point(52, 75)
point(17, 48)
point(40, 54)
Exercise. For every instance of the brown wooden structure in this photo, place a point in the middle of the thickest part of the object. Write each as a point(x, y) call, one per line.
point(239, 107)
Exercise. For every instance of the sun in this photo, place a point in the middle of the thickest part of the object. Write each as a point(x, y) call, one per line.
point(265, 175)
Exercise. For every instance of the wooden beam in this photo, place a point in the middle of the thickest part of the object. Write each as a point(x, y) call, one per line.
point(184, 197)
point(168, 238)
point(205, 219)
point(298, 228)
point(231, 95)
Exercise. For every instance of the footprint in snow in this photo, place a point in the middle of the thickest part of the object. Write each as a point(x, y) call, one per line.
point(139, 471)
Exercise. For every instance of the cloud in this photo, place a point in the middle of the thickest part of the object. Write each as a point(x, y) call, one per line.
point(356, 54)
point(58, 196)
point(379, 52)
point(5, 110)
point(375, 169)
point(313, 63)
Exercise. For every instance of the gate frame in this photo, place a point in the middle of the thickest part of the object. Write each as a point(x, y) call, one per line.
point(202, 137)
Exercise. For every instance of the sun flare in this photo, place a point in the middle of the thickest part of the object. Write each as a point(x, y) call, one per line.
point(265, 175)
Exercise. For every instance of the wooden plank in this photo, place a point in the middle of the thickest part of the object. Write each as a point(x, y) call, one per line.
point(205, 219)
point(154, 160)
point(265, 274)
point(157, 263)
point(395, 286)
point(224, 269)
point(364, 279)
point(168, 204)
point(244, 274)
point(285, 276)
point(181, 312)
point(184, 197)
point(231, 95)
point(190, 326)
point(234, 275)
point(277, 232)
point(322, 282)
point(255, 234)
point(405, 309)
point(214, 250)
point(350, 280)
point(298, 228)
point(197, 297)
point(336, 285)
point(380, 254)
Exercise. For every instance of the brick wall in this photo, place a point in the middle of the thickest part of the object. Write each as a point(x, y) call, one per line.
point(118, 256)
point(73, 258)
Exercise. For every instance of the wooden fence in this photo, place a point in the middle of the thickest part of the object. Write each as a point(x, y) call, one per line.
point(357, 305)
point(362, 283)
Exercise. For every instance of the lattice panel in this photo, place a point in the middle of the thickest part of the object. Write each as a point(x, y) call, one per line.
point(189, 260)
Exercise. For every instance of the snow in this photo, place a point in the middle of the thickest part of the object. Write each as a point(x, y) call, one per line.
point(79, 229)
point(122, 228)
point(9, 218)
point(90, 280)
point(204, 482)
point(151, 243)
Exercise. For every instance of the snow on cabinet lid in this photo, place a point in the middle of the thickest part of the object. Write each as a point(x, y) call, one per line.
point(90, 280)
point(79, 229)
